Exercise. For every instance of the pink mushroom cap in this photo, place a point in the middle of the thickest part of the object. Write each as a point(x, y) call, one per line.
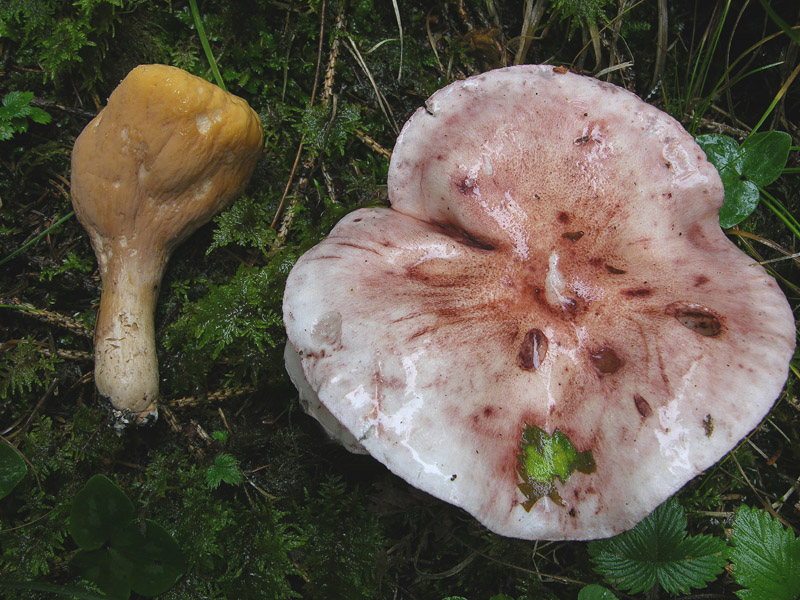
point(548, 328)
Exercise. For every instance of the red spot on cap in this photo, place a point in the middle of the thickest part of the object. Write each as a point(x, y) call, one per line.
point(642, 405)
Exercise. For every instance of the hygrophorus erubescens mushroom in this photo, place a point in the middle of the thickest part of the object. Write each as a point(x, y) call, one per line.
point(168, 152)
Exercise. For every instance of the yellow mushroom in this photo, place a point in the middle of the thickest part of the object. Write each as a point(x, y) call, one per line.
point(168, 152)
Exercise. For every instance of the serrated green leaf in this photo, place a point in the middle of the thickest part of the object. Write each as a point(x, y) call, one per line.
point(15, 112)
point(225, 468)
point(37, 115)
point(697, 560)
point(98, 509)
point(658, 551)
point(596, 592)
point(765, 557)
point(6, 131)
point(12, 469)
point(16, 104)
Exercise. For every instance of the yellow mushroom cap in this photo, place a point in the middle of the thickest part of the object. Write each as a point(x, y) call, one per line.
point(168, 152)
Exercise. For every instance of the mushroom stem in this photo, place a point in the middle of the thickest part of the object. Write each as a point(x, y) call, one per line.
point(126, 364)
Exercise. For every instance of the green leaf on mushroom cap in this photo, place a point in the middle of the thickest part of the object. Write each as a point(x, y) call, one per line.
point(547, 457)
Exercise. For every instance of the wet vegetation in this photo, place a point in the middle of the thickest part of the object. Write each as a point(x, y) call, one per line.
point(261, 504)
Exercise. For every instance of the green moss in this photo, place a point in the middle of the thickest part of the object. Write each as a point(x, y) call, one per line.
point(24, 368)
point(340, 556)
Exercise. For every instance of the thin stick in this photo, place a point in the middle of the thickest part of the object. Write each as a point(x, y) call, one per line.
point(49, 317)
point(382, 103)
point(218, 396)
point(767, 506)
point(47, 231)
point(373, 145)
point(310, 104)
point(774, 260)
point(533, 14)
point(288, 182)
point(661, 43)
point(432, 42)
point(308, 164)
point(400, 29)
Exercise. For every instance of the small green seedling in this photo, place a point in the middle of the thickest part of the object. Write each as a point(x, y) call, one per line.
point(118, 552)
point(220, 436)
point(225, 468)
point(745, 168)
point(12, 469)
point(15, 112)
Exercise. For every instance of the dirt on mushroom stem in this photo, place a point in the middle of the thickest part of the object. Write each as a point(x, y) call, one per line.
point(126, 362)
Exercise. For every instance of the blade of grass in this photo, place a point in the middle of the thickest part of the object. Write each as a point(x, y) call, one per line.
point(702, 66)
point(781, 212)
point(777, 98)
point(69, 215)
point(400, 30)
point(776, 18)
point(723, 83)
point(201, 33)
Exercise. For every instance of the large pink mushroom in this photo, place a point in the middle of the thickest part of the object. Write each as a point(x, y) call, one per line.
point(548, 328)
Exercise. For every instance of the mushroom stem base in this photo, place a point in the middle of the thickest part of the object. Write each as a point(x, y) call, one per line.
point(126, 364)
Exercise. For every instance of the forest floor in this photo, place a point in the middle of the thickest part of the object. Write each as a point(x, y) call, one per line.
point(259, 501)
